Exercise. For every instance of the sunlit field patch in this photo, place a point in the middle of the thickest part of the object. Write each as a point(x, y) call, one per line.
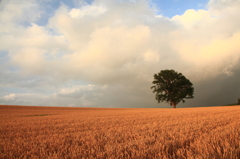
point(54, 132)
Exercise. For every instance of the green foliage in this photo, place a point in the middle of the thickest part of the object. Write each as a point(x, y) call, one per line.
point(172, 87)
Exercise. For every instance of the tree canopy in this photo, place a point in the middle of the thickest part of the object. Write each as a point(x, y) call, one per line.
point(172, 87)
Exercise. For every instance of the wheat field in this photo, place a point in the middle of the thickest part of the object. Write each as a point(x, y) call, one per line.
point(184, 133)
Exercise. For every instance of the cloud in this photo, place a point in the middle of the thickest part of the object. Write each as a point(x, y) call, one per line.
point(208, 42)
point(86, 11)
point(104, 54)
point(22, 99)
point(110, 51)
point(65, 97)
point(227, 6)
point(14, 11)
point(191, 17)
point(9, 97)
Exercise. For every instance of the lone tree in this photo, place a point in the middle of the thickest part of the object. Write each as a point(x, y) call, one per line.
point(172, 87)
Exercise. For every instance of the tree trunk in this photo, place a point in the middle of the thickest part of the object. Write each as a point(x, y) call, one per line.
point(174, 105)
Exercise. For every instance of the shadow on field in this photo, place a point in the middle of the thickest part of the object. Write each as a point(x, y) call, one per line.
point(36, 115)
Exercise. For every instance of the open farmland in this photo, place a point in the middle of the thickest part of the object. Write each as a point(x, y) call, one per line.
point(53, 132)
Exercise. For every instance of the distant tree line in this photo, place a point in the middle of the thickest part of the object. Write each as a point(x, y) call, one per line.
point(238, 103)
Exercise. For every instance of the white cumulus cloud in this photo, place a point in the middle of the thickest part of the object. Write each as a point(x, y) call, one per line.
point(86, 11)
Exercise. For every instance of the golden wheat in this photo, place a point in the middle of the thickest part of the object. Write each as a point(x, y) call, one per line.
point(48, 132)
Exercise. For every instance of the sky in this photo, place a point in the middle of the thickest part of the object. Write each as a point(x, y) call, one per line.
point(104, 53)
